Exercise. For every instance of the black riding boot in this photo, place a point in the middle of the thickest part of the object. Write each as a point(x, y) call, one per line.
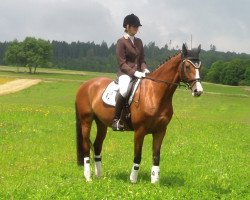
point(117, 125)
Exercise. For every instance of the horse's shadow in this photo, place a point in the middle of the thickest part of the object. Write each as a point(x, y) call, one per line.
point(171, 179)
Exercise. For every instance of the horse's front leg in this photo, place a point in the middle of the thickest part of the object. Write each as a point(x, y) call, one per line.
point(157, 141)
point(138, 142)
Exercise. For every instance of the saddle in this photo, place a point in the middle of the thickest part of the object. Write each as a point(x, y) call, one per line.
point(109, 98)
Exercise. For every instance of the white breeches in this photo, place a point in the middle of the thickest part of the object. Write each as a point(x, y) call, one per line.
point(123, 82)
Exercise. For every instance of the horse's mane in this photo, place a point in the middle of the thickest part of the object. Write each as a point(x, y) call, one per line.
point(168, 59)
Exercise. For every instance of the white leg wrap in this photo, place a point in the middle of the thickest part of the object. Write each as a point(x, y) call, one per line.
point(87, 170)
point(134, 173)
point(155, 174)
point(98, 166)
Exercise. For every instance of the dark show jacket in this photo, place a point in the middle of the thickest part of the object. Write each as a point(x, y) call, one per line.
point(130, 56)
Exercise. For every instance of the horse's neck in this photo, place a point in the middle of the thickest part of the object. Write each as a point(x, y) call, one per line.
point(167, 72)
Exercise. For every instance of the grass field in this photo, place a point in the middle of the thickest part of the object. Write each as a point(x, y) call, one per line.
point(205, 154)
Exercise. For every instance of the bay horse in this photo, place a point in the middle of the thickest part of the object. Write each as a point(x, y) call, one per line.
point(151, 110)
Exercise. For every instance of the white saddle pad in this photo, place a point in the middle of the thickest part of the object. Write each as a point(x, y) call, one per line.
point(110, 93)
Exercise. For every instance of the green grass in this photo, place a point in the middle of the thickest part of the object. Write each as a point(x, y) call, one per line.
point(205, 154)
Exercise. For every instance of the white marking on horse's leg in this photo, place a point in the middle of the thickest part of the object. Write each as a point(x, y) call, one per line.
point(134, 173)
point(87, 170)
point(98, 165)
point(155, 174)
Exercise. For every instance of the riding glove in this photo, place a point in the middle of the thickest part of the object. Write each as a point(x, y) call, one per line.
point(139, 74)
point(146, 71)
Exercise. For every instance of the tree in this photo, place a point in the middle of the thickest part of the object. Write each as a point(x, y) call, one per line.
point(214, 73)
point(13, 54)
point(38, 52)
point(3, 47)
point(31, 52)
point(203, 72)
point(234, 72)
point(246, 77)
point(212, 47)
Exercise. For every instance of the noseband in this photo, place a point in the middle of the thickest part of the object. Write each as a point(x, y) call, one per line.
point(184, 79)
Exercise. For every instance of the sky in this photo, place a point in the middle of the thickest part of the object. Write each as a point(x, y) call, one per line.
point(223, 23)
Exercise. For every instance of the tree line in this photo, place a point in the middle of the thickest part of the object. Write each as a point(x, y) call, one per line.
point(234, 72)
point(218, 67)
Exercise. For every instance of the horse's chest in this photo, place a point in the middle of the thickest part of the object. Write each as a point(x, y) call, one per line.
point(160, 116)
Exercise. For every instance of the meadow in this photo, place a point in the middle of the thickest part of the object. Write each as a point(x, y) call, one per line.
point(205, 154)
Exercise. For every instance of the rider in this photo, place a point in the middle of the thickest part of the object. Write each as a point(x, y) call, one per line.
point(130, 57)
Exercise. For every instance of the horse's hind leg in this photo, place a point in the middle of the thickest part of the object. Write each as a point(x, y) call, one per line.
point(86, 127)
point(100, 136)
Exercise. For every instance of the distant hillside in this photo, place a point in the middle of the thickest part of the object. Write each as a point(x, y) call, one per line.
point(100, 57)
point(88, 56)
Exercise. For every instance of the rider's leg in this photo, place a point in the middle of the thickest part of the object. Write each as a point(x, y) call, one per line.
point(123, 86)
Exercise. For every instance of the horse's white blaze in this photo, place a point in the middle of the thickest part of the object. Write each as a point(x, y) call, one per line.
point(197, 74)
point(197, 88)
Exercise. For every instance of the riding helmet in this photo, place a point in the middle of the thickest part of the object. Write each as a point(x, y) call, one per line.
point(131, 20)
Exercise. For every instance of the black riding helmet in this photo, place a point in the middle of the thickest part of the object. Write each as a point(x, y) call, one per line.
point(131, 20)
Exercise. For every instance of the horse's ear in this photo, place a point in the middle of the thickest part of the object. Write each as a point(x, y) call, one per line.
point(199, 49)
point(184, 50)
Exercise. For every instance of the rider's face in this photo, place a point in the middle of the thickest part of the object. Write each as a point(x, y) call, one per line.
point(132, 30)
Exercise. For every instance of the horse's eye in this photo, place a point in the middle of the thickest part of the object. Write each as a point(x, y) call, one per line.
point(188, 67)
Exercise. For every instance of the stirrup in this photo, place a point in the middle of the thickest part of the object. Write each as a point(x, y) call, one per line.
point(117, 125)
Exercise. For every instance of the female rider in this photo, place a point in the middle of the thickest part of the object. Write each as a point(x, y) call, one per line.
point(130, 57)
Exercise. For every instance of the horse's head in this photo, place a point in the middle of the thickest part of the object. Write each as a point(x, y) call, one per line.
point(190, 67)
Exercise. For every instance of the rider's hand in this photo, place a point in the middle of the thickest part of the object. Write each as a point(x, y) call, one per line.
point(139, 74)
point(146, 71)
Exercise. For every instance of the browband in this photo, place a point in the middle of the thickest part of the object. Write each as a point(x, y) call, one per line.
point(196, 65)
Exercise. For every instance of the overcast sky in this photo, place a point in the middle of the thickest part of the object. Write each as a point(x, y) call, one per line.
point(223, 23)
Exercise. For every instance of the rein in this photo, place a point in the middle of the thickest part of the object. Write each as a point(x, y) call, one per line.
point(162, 81)
point(185, 81)
point(170, 83)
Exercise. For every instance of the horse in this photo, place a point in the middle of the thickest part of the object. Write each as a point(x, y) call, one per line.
point(149, 115)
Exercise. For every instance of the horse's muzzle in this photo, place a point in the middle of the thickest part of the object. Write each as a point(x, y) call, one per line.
point(197, 89)
point(196, 93)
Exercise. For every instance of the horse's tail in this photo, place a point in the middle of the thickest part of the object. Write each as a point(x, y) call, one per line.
point(79, 149)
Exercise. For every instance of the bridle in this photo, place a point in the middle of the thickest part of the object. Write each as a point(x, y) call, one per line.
point(187, 83)
point(196, 63)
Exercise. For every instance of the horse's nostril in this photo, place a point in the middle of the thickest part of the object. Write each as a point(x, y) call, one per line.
point(198, 94)
point(195, 90)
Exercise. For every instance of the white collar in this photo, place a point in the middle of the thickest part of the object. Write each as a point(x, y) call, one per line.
point(126, 36)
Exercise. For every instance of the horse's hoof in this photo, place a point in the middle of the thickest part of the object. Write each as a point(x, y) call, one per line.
point(88, 180)
point(133, 181)
point(133, 178)
point(154, 181)
point(98, 169)
point(98, 175)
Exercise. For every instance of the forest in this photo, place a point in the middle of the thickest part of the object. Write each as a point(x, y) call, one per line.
point(218, 67)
